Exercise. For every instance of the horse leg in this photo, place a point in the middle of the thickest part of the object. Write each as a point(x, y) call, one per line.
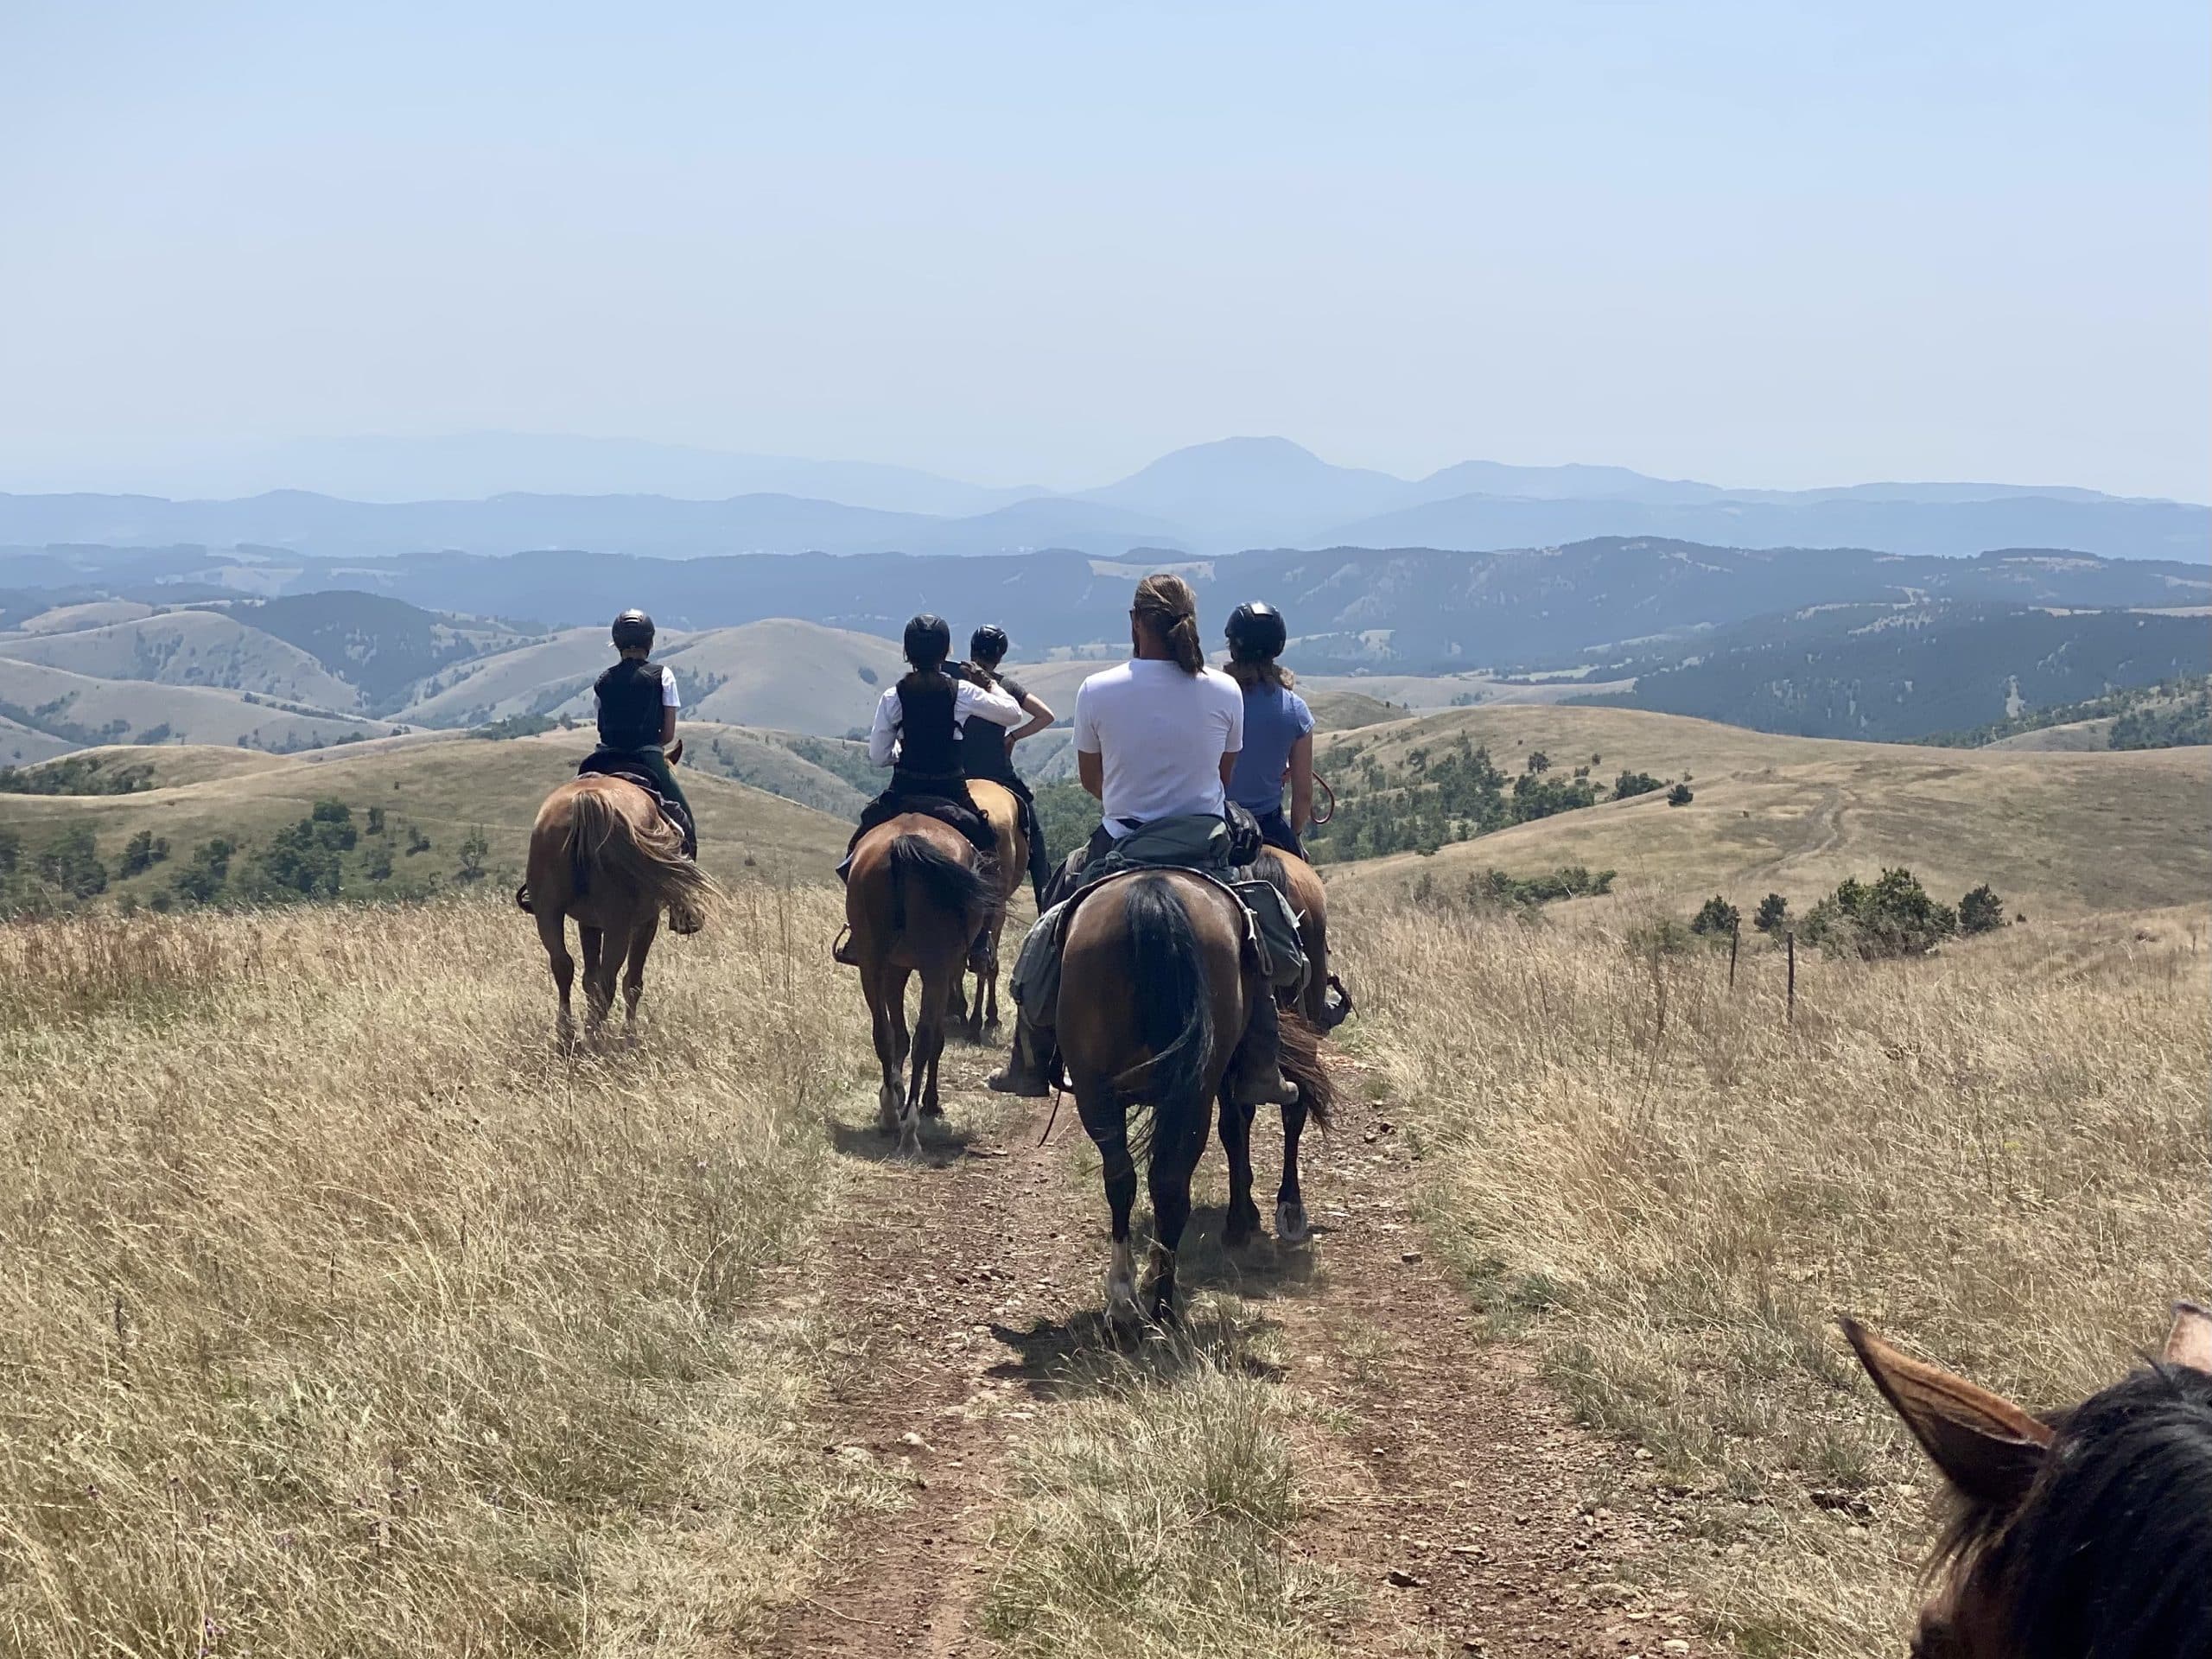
point(598, 996)
point(1291, 1226)
point(633, 978)
point(1178, 1140)
point(874, 979)
point(553, 934)
point(1242, 1219)
point(902, 1042)
point(1107, 1123)
point(921, 1083)
point(989, 987)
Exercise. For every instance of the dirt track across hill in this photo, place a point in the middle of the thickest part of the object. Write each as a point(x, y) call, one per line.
point(1452, 1490)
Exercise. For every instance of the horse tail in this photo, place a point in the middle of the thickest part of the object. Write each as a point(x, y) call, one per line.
point(1175, 1010)
point(956, 884)
point(1298, 1048)
point(648, 857)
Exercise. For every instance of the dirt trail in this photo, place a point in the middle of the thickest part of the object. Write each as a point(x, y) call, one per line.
point(1456, 1499)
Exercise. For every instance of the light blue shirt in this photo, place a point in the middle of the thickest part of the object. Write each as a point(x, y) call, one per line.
point(1273, 722)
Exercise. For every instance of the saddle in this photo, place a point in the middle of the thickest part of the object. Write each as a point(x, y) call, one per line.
point(632, 772)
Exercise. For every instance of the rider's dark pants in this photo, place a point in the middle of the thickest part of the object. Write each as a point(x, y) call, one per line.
point(901, 797)
point(652, 760)
point(1275, 831)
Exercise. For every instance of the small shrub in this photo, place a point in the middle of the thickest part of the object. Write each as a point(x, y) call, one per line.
point(1981, 912)
point(1716, 916)
point(1772, 913)
point(1892, 916)
point(1680, 796)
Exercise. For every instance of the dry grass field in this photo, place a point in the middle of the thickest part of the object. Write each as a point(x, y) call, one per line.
point(1997, 1154)
point(344, 1317)
point(2057, 833)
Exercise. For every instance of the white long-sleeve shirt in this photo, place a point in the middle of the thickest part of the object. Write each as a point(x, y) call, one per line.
point(993, 705)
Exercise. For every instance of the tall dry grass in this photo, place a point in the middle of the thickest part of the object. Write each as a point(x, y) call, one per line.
point(343, 1315)
point(1999, 1154)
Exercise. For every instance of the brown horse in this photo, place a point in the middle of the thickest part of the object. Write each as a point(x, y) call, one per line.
point(916, 898)
point(1154, 994)
point(1299, 883)
point(1003, 813)
point(2079, 1534)
point(601, 852)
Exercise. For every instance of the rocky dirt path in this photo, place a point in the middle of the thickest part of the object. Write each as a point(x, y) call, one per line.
point(1457, 1495)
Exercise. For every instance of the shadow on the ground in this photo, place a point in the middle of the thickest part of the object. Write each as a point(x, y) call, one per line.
point(1263, 1266)
point(942, 1144)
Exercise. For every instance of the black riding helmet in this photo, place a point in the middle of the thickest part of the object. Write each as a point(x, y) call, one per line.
point(633, 628)
point(1257, 634)
point(987, 644)
point(928, 641)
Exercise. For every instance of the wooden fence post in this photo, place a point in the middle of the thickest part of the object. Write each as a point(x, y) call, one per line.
point(1791, 1016)
point(1735, 939)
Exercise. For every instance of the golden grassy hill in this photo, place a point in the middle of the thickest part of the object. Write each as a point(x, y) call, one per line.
point(785, 675)
point(445, 785)
point(23, 745)
point(782, 674)
point(92, 613)
point(2049, 831)
point(123, 710)
point(194, 648)
point(510, 682)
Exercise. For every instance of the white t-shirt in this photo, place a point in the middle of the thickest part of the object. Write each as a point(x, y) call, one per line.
point(967, 700)
point(1160, 734)
point(668, 697)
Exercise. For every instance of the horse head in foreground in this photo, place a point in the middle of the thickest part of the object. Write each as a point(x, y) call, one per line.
point(601, 852)
point(2080, 1534)
point(916, 896)
point(1155, 992)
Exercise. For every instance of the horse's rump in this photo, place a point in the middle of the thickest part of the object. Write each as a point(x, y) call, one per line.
point(917, 855)
point(596, 832)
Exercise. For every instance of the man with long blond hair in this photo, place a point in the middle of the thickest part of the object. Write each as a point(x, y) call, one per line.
point(1155, 741)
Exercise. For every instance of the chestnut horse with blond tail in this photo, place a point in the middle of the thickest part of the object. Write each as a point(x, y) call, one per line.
point(1155, 993)
point(600, 852)
point(1003, 813)
point(917, 894)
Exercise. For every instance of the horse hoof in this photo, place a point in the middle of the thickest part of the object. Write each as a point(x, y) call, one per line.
point(931, 1109)
point(1291, 1226)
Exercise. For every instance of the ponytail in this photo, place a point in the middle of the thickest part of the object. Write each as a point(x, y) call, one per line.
point(1183, 640)
point(1167, 603)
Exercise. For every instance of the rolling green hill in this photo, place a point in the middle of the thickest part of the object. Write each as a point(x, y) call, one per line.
point(81, 710)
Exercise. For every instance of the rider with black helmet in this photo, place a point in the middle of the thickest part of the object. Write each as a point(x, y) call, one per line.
point(917, 733)
point(986, 754)
point(638, 702)
point(1278, 729)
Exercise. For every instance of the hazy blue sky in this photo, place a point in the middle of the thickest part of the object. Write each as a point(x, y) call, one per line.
point(1759, 244)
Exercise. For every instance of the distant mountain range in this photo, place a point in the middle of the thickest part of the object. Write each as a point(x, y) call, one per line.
point(1410, 611)
point(503, 493)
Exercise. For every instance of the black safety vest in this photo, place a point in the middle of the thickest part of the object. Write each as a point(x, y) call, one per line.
point(929, 743)
point(629, 705)
point(982, 753)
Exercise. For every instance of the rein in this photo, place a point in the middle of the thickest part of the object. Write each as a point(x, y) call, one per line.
point(1322, 784)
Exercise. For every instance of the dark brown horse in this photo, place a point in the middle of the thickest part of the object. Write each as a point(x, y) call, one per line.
point(601, 852)
point(1299, 883)
point(1003, 813)
point(1155, 993)
point(2079, 1534)
point(916, 898)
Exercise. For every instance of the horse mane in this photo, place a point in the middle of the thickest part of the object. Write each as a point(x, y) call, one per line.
point(2110, 1552)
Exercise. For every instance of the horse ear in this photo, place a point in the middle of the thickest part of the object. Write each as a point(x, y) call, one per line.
point(2189, 1343)
point(1986, 1445)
